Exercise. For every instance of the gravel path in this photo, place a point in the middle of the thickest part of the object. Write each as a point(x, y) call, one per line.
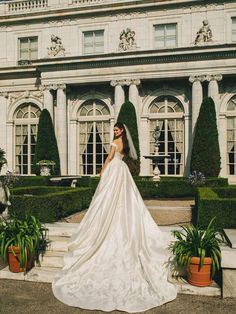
point(23, 297)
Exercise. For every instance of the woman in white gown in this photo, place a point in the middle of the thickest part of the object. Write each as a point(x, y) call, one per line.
point(118, 257)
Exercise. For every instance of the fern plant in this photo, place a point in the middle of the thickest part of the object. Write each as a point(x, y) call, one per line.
point(194, 242)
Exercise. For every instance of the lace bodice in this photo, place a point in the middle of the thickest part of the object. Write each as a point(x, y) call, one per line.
point(117, 154)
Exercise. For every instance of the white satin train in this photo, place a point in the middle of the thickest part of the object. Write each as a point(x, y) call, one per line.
point(118, 257)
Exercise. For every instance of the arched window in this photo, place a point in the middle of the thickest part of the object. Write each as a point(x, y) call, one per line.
point(94, 136)
point(168, 113)
point(231, 136)
point(26, 125)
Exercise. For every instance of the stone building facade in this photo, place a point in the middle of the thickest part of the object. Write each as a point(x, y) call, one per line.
point(81, 59)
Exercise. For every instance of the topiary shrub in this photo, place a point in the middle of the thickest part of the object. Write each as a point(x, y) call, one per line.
point(127, 115)
point(46, 146)
point(205, 151)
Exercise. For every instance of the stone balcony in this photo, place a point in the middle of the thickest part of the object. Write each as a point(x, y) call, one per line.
point(17, 7)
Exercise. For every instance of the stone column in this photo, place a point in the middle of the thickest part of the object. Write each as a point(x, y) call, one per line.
point(3, 123)
point(61, 127)
point(72, 166)
point(48, 100)
point(119, 98)
point(3, 110)
point(134, 94)
point(213, 90)
point(10, 147)
point(197, 96)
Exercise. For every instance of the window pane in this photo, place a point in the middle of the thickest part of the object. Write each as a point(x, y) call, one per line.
point(171, 140)
point(28, 48)
point(165, 35)
point(234, 29)
point(94, 42)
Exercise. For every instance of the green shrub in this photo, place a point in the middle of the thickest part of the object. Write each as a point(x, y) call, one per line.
point(46, 145)
point(32, 181)
point(127, 115)
point(205, 157)
point(209, 203)
point(168, 187)
point(229, 192)
point(52, 206)
point(39, 190)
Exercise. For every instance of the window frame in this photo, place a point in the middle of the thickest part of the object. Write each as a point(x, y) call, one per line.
point(165, 117)
point(29, 49)
point(165, 25)
point(94, 41)
point(28, 122)
point(233, 30)
point(92, 119)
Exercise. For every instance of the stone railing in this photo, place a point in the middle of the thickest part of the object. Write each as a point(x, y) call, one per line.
point(19, 6)
point(94, 2)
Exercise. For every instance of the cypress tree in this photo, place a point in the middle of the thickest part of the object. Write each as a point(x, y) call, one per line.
point(46, 146)
point(127, 115)
point(206, 151)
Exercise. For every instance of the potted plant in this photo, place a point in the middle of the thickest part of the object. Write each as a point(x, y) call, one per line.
point(199, 251)
point(21, 242)
point(45, 167)
point(3, 160)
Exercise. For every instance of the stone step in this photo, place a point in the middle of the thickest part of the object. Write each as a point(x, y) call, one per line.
point(46, 274)
point(52, 259)
point(57, 243)
point(184, 287)
point(230, 235)
point(42, 274)
point(62, 229)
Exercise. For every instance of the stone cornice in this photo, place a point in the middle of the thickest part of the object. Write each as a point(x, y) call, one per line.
point(66, 11)
point(121, 59)
point(129, 59)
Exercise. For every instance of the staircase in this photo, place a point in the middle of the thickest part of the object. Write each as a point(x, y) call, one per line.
point(168, 215)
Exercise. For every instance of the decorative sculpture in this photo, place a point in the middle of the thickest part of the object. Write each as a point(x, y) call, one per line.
point(127, 40)
point(204, 34)
point(56, 48)
point(156, 157)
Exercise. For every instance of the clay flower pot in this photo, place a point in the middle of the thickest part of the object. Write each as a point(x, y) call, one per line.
point(14, 261)
point(200, 277)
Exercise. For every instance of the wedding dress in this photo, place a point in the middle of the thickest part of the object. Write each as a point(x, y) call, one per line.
point(118, 257)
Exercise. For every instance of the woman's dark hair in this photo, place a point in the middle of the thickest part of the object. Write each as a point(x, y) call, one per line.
point(126, 148)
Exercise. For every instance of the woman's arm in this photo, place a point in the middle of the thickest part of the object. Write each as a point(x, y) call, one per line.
point(109, 158)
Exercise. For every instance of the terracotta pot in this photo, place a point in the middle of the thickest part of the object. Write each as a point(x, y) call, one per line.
point(202, 277)
point(14, 261)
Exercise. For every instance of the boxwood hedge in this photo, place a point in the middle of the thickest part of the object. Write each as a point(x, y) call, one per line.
point(219, 202)
point(49, 204)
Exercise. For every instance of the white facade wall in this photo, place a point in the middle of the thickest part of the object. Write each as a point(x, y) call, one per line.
point(83, 81)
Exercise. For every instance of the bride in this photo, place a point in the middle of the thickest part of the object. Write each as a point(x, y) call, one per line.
point(118, 257)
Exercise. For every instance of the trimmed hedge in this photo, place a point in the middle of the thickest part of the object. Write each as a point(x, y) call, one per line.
point(217, 202)
point(205, 155)
point(46, 145)
point(168, 187)
point(127, 116)
point(51, 206)
point(32, 181)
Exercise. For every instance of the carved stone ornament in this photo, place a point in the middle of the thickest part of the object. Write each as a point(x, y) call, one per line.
point(204, 34)
point(127, 40)
point(56, 48)
point(125, 82)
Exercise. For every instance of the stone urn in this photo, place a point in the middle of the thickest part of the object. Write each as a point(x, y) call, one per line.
point(46, 167)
